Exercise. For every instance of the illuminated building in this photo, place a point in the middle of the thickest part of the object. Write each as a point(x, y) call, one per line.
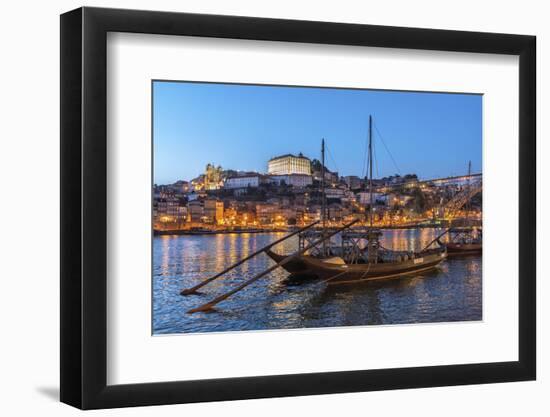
point(243, 181)
point(289, 164)
point(213, 177)
point(170, 209)
point(213, 211)
point(295, 180)
point(195, 211)
point(266, 212)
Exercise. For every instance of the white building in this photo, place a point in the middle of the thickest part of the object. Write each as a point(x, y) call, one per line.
point(213, 211)
point(295, 180)
point(289, 164)
point(244, 181)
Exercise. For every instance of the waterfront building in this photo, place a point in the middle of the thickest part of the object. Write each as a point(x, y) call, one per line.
point(195, 211)
point(230, 216)
point(294, 180)
point(168, 207)
point(182, 212)
point(289, 164)
point(246, 218)
point(213, 211)
point(169, 212)
point(267, 212)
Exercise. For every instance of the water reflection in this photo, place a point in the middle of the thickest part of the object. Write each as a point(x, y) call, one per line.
point(450, 293)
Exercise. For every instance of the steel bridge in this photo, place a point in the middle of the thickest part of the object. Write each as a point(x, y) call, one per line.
point(461, 198)
point(459, 179)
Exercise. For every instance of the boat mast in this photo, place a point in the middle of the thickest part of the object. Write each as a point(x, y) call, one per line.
point(323, 195)
point(468, 194)
point(372, 235)
point(370, 170)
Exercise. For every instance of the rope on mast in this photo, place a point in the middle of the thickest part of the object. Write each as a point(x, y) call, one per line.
point(387, 149)
point(332, 158)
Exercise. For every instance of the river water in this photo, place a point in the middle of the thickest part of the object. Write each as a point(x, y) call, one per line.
point(453, 292)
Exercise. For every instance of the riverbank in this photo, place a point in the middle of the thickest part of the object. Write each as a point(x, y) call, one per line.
point(215, 232)
point(179, 232)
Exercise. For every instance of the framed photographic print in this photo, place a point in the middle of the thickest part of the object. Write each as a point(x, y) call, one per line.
point(258, 207)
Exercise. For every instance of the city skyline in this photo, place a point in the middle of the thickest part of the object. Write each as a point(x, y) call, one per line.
point(241, 127)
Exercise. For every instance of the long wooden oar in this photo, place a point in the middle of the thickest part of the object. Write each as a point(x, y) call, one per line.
point(209, 305)
point(193, 290)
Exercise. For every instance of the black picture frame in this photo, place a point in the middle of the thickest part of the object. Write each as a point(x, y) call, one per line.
point(84, 207)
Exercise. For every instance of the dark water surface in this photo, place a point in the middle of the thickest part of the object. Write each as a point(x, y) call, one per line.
point(450, 293)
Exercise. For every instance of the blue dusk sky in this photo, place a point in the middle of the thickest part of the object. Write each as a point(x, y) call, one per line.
point(241, 127)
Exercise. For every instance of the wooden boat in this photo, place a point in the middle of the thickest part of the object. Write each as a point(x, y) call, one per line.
point(336, 265)
point(464, 241)
point(294, 266)
point(335, 270)
point(464, 248)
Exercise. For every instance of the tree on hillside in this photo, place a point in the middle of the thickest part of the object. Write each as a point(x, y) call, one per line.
point(419, 200)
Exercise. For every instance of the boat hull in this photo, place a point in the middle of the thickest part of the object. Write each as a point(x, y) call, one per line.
point(294, 266)
point(309, 267)
point(458, 249)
